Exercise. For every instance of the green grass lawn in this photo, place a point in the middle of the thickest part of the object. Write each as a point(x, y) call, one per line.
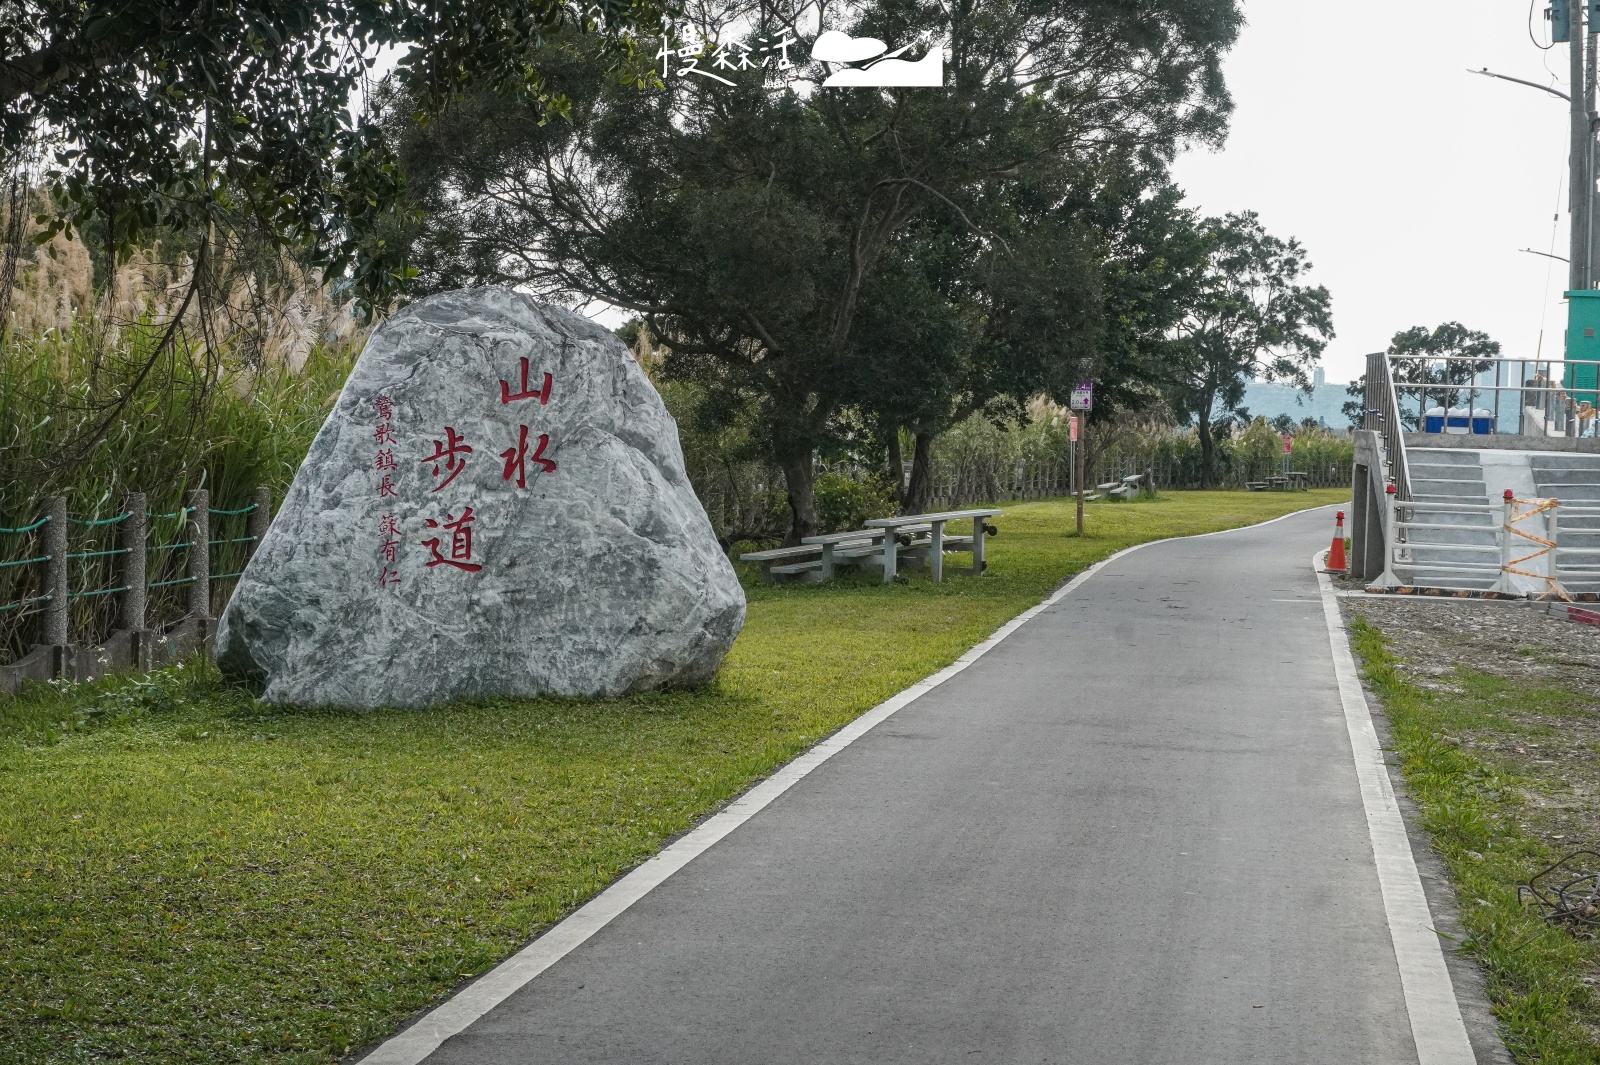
point(1495, 813)
point(188, 876)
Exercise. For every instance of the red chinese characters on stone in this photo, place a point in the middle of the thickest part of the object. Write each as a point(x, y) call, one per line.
point(390, 531)
point(384, 462)
point(444, 457)
point(389, 551)
point(517, 458)
point(460, 530)
point(541, 394)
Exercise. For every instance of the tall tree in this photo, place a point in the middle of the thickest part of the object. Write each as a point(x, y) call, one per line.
point(989, 324)
point(752, 224)
point(1247, 318)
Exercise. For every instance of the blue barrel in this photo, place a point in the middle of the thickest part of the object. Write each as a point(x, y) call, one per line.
point(1433, 420)
point(1482, 421)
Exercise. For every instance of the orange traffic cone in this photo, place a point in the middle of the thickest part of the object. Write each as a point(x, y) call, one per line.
point(1336, 563)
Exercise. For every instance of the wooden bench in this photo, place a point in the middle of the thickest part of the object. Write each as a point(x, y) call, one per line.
point(846, 548)
point(884, 544)
point(935, 546)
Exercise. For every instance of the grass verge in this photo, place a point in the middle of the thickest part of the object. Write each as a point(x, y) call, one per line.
point(188, 876)
point(1463, 748)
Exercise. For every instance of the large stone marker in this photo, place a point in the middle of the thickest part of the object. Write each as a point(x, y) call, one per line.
point(496, 506)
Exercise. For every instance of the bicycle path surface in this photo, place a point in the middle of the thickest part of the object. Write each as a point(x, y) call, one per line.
point(1130, 832)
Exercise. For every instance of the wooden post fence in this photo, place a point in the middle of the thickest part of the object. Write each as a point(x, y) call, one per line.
point(131, 643)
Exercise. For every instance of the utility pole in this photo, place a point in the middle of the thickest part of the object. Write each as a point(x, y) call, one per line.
point(1592, 156)
point(1582, 184)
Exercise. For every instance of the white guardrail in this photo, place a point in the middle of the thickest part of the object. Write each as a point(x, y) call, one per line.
point(1523, 555)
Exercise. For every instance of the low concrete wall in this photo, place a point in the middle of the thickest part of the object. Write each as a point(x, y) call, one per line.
point(1498, 442)
point(125, 650)
point(1367, 506)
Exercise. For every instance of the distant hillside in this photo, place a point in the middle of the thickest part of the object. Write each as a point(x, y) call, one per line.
point(1270, 400)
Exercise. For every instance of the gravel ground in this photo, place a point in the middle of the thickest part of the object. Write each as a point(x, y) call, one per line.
point(1544, 729)
point(1508, 638)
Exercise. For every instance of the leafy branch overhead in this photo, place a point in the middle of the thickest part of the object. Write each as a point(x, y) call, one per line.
point(170, 115)
point(838, 255)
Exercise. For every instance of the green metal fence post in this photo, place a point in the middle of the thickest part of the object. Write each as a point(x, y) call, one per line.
point(133, 536)
point(55, 572)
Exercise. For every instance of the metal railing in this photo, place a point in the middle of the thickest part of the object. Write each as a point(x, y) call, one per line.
point(1525, 543)
point(1383, 416)
point(1548, 397)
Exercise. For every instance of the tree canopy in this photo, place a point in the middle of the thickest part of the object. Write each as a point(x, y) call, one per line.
point(893, 252)
point(174, 115)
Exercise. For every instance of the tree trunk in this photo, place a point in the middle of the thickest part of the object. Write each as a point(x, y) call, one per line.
point(1206, 448)
point(919, 493)
point(799, 476)
point(897, 467)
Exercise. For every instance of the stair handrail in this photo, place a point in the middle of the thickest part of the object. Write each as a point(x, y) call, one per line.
point(1383, 416)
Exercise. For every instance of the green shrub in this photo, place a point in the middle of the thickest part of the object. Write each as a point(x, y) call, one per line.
point(845, 501)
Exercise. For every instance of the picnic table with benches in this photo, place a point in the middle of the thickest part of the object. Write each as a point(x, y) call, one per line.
point(1127, 488)
point(1294, 480)
point(883, 544)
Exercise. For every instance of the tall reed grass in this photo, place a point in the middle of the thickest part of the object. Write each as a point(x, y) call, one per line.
point(192, 422)
point(103, 393)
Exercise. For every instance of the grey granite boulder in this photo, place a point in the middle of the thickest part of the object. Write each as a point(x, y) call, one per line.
point(497, 505)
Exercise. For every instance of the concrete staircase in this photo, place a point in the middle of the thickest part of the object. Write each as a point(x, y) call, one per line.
point(1575, 480)
point(1454, 539)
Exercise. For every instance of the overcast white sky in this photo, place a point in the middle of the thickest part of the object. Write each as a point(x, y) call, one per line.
point(1411, 182)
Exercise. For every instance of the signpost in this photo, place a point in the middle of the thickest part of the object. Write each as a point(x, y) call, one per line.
point(1072, 451)
point(1082, 400)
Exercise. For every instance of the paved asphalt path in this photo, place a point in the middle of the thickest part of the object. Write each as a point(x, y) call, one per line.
point(1129, 833)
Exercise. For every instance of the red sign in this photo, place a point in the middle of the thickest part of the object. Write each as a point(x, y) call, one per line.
point(1073, 424)
point(1288, 442)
